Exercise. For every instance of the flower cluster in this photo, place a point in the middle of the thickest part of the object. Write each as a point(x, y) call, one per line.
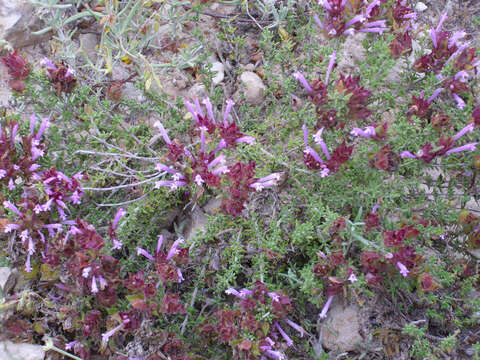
point(345, 17)
point(232, 326)
point(340, 155)
point(346, 85)
point(402, 16)
point(444, 146)
point(61, 76)
point(209, 167)
point(18, 69)
point(20, 154)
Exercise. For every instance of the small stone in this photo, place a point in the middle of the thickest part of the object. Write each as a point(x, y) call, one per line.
point(17, 21)
point(196, 224)
point(249, 67)
point(198, 91)
point(88, 43)
point(342, 329)
point(420, 7)
point(23, 351)
point(212, 206)
point(219, 70)
point(5, 272)
point(352, 54)
point(254, 90)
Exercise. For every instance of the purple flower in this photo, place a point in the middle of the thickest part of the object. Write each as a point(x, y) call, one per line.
point(33, 120)
point(94, 285)
point(459, 100)
point(298, 75)
point(208, 105)
point(48, 64)
point(319, 141)
point(467, 147)
point(434, 95)
point(267, 181)
point(106, 336)
point(323, 313)
point(8, 205)
point(402, 269)
point(407, 154)
point(284, 334)
point(174, 249)
point(3, 173)
point(331, 63)
point(230, 104)
point(163, 132)
point(466, 129)
point(352, 278)
point(120, 213)
point(368, 132)
point(296, 327)
point(145, 253)
point(43, 126)
point(172, 184)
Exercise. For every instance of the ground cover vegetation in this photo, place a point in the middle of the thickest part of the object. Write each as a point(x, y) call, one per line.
point(349, 185)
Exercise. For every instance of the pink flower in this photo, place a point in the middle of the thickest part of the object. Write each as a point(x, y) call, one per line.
point(323, 313)
point(403, 269)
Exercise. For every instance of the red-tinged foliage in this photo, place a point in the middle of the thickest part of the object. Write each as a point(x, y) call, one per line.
point(131, 320)
point(311, 162)
point(135, 281)
point(62, 79)
point(18, 67)
point(328, 120)
point(466, 59)
point(435, 61)
point(175, 348)
point(385, 159)
point(372, 221)
point(440, 121)
point(419, 107)
point(175, 151)
point(399, 11)
point(427, 283)
point(407, 256)
point(358, 100)
point(171, 304)
point(242, 176)
point(338, 225)
point(281, 305)
point(455, 86)
point(205, 122)
point(396, 238)
point(319, 94)
point(91, 323)
point(339, 156)
point(230, 133)
point(372, 262)
point(401, 45)
point(476, 116)
point(326, 266)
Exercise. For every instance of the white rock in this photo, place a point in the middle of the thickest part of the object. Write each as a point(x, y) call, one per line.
point(219, 70)
point(20, 351)
point(196, 224)
point(352, 53)
point(5, 91)
point(342, 329)
point(88, 43)
point(198, 91)
point(420, 7)
point(17, 21)
point(5, 272)
point(254, 90)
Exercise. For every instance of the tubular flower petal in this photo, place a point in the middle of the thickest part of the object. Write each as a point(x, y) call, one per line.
point(323, 313)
